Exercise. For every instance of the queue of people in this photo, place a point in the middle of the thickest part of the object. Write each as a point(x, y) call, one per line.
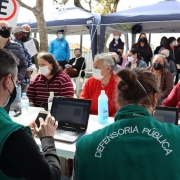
point(133, 93)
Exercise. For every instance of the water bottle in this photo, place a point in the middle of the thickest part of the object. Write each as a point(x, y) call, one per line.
point(103, 112)
point(50, 99)
point(24, 103)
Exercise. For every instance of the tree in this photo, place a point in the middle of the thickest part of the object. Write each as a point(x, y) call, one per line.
point(38, 12)
point(101, 6)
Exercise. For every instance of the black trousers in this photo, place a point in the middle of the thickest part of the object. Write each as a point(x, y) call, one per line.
point(63, 63)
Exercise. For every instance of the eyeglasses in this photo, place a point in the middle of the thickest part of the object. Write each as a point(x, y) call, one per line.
point(16, 84)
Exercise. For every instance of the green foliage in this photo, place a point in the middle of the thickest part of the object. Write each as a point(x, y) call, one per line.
point(98, 6)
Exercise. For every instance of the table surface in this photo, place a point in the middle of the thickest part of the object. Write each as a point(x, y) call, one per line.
point(63, 149)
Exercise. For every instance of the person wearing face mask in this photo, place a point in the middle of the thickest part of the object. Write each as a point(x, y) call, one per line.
point(51, 78)
point(59, 48)
point(135, 59)
point(143, 48)
point(75, 64)
point(115, 57)
point(163, 45)
point(21, 38)
point(148, 147)
point(20, 157)
point(163, 77)
point(117, 46)
point(28, 29)
point(17, 50)
point(103, 79)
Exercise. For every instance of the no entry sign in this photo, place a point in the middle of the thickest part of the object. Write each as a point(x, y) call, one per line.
point(9, 10)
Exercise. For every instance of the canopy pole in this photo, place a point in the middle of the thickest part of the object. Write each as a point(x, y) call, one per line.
point(149, 38)
point(81, 38)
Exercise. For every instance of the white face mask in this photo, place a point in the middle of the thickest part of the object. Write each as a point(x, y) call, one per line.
point(44, 70)
point(130, 59)
point(116, 37)
point(174, 43)
point(97, 74)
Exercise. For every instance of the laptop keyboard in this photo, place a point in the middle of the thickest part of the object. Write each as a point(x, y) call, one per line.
point(72, 132)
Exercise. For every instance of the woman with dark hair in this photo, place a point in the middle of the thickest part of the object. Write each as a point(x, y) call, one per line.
point(51, 78)
point(163, 45)
point(117, 46)
point(135, 140)
point(144, 48)
point(135, 59)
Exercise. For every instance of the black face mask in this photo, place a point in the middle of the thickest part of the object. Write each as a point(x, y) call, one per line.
point(28, 35)
point(12, 98)
point(24, 39)
point(157, 66)
point(143, 40)
point(5, 33)
point(163, 43)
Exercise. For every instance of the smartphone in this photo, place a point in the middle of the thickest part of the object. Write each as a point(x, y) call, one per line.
point(42, 114)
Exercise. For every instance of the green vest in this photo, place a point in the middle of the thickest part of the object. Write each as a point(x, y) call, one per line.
point(135, 146)
point(7, 126)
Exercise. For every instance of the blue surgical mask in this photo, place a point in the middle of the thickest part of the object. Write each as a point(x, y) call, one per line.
point(60, 36)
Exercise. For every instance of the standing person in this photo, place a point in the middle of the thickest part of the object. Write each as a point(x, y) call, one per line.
point(171, 66)
point(51, 78)
point(163, 77)
point(59, 48)
point(135, 59)
point(76, 64)
point(28, 29)
point(174, 54)
point(17, 50)
point(117, 46)
point(20, 157)
point(143, 48)
point(163, 45)
point(136, 146)
point(21, 38)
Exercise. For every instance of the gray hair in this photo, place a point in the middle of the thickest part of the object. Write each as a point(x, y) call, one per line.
point(108, 60)
point(159, 55)
point(8, 63)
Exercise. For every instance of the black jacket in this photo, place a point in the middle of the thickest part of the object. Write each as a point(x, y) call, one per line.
point(114, 48)
point(18, 51)
point(78, 65)
point(174, 55)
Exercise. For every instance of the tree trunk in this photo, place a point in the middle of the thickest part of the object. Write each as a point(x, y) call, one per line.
point(42, 33)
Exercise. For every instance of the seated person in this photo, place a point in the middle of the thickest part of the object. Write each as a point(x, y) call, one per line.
point(116, 59)
point(20, 157)
point(173, 100)
point(75, 64)
point(51, 78)
point(135, 146)
point(171, 66)
point(103, 79)
point(135, 59)
point(163, 77)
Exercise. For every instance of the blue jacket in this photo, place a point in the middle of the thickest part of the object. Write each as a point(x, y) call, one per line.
point(60, 49)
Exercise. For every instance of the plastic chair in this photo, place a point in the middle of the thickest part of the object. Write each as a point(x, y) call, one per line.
point(77, 79)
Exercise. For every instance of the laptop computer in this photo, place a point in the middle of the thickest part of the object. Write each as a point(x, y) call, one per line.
point(167, 114)
point(72, 116)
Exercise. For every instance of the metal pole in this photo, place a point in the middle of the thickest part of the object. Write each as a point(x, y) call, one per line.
point(81, 38)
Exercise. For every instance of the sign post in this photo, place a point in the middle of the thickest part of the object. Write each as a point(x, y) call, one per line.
point(9, 10)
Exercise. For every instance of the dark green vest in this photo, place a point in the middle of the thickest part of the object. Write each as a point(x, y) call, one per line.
point(7, 126)
point(135, 146)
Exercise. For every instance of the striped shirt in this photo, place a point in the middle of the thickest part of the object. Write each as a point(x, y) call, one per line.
point(40, 86)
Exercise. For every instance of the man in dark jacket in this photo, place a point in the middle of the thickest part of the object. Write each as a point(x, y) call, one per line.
point(17, 50)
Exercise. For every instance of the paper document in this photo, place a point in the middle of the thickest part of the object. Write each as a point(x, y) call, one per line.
point(31, 47)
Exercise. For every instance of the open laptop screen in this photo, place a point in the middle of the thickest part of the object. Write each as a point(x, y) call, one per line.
point(166, 114)
point(70, 111)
